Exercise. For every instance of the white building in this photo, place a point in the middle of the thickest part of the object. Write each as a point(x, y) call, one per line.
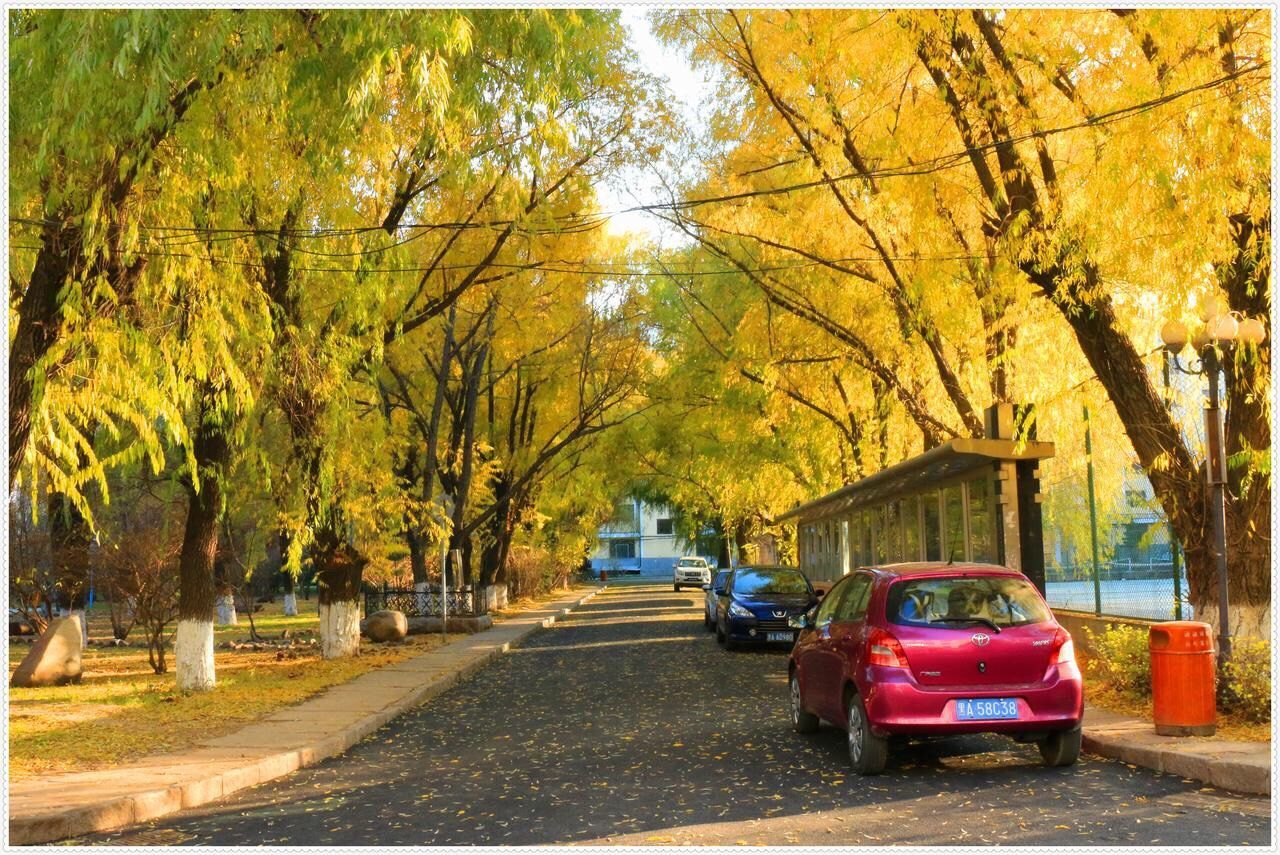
point(641, 538)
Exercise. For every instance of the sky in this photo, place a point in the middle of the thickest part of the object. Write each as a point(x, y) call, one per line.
point(692, 93)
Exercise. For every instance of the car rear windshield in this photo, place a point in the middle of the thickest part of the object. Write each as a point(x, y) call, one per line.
point(961, 601)
point(720, 579)
point(692, 562)
point(769, 580)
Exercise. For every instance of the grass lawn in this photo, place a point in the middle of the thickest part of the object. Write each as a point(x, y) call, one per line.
point(122, 710)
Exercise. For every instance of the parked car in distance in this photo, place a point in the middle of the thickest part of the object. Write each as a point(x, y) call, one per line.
point(932, 649)
point(691, 571)
point(709, 611)
point(756, 603)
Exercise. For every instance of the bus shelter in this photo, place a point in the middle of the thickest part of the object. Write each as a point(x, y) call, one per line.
point(969, 499)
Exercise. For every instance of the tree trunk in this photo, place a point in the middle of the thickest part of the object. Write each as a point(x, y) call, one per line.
point(417, 554)
point(39, 326)
point(1178, 481)
point(290, 597)
point(193, 639)
point(339, 570)
point(69, 539)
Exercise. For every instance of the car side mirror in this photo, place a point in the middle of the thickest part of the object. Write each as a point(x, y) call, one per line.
point(803, 621)
point(706, 587)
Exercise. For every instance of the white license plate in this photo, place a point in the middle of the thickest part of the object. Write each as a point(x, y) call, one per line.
point(779, 636)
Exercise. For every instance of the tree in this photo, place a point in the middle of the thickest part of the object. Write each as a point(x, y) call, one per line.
point(978, 170)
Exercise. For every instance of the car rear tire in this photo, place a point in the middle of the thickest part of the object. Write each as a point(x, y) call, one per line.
point(707, 623)
point(801, 719)
point(677, 589)
point(868, 753)
point(719, 634)
point(1061, 748)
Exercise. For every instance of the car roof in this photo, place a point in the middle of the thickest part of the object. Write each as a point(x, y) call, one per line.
point(924, 568)
point(766, 567)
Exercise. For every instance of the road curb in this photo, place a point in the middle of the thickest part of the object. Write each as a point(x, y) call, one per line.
point(249, 771)
point(1240, 767)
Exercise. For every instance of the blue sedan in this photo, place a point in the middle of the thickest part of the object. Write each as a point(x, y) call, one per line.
point(755, 603)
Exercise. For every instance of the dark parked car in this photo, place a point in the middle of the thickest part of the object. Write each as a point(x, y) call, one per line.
point(709, 611)
point(934, 649)
point(757, 601)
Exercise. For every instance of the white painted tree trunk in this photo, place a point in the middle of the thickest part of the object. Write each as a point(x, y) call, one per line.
point(290, 605)
point(423, 601)
point(193, 655)
point(1245, 621)
point(227, 611)
point(339, 629)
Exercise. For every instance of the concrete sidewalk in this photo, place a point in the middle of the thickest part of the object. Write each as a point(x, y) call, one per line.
point(70, 805)
point(1242, 767)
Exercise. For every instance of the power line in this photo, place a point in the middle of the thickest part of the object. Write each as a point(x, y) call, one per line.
point(583, 267)
point(595, 219)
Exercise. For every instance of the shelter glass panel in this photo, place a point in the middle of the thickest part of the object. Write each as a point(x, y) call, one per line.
point(982, 540)
point(892, 533)
point(932, 526)
point(953, 521)
point(911, 528)
point(878, 534)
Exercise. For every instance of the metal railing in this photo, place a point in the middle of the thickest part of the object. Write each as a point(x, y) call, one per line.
point(420, 603)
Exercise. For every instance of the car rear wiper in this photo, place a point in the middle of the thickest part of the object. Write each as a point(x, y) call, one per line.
point(988, 621)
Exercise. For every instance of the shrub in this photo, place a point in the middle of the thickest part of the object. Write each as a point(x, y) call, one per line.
point(1248, 675)
point(1121, 659)
point(141, 569)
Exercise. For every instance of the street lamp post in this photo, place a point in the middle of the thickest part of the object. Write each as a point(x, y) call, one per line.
point(1221, 330)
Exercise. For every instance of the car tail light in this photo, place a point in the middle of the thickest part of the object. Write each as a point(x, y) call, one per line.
point(1064, 650)
point(884, 649)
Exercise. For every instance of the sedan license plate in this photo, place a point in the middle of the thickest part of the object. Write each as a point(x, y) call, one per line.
point(980, 709)
point(779, 636)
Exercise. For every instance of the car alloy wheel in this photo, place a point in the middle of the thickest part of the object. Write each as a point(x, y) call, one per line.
point(802, 720)
point(855, 733)
point(868, 753)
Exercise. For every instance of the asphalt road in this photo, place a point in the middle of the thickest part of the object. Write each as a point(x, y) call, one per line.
point(627, 723)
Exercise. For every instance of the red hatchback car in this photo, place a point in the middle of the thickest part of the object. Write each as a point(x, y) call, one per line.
point(936, 649)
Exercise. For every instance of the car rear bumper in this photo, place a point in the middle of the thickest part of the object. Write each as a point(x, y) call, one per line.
point(896, 704)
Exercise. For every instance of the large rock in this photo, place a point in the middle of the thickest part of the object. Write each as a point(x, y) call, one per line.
point(385, 626)
point(54, 660)
point(431, 625)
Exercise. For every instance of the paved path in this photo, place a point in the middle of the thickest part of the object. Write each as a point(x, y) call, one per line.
point(57, 806)
point(626, 723)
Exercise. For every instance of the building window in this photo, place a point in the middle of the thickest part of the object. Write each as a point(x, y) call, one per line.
point(624, 518)
point(665, 526)
point(622, 549)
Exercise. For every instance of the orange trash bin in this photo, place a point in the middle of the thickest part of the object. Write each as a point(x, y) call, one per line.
point(1183, 678)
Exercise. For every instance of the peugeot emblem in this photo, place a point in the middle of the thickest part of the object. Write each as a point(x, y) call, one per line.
point(782, 613)
point(980, 639)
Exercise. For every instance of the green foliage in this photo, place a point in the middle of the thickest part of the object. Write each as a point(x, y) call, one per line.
point(1248, 675)
point(1121, 659)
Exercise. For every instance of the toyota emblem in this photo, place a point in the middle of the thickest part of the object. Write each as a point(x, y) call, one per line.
point(980, 639)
